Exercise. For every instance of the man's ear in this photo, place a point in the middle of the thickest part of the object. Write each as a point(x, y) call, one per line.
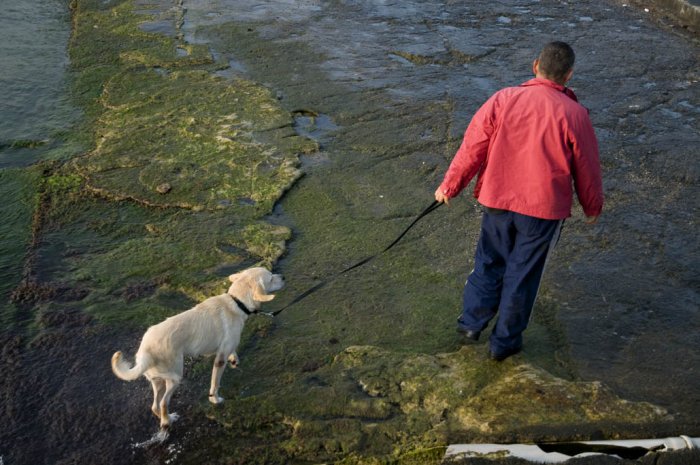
point(535, 66)
point(568, 75)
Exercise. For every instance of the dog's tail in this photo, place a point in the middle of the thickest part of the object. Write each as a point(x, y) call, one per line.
point(121, 367)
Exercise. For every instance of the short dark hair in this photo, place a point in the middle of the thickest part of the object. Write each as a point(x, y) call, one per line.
point(556, 60)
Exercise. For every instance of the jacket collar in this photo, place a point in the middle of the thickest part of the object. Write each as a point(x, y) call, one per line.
point(547, 83)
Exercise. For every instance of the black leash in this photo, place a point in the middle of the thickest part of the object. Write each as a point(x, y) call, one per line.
point(318, 286)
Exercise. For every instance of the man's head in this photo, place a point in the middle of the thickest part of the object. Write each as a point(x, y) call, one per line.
point(555, 62)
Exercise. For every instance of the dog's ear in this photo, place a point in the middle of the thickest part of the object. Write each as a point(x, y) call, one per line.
point(234, 277)
point(260, 293)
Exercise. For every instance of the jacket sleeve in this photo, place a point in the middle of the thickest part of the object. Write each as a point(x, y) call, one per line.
point(472, 153)
point(586, 167)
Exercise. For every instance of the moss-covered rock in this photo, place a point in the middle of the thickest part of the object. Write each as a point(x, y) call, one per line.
point(160, 121)
point(171, 198)
point(18, 189)
point(370, 405)
point(215, 143)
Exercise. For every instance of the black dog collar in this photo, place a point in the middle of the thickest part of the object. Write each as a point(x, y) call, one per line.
point(242, 306)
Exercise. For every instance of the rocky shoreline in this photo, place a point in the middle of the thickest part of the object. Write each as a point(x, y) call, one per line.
point(683, 14)
point(219, 138)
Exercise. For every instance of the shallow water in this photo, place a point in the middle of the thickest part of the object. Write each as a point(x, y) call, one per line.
point(35, 103)
point(35, 111)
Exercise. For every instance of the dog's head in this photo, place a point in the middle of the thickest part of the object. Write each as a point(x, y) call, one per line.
point(255, 283)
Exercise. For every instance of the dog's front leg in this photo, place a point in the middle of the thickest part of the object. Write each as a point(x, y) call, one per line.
point(216, 373)
point(233, 360)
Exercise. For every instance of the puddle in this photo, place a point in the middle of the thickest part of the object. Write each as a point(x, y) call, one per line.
point(313, 125)
point(235, 69)
point(165, 27)
point(246, 201)
point(400, 59)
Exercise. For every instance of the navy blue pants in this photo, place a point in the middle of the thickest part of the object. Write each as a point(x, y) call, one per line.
point(508, 265)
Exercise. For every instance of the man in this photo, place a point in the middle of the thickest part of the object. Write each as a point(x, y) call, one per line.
point(527, 144)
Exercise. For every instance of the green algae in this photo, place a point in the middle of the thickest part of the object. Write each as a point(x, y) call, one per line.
point(462, 391)
point(370, 405)
point(171, 199)
point(61, 185)
point(18, 189)
point(106, 39)
point(129, 260)
point(169, 134)
point(22, 143)
point(198, 134)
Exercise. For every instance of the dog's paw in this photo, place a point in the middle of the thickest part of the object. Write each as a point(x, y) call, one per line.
point(216, 400)
point(161, 435)
point(233, 361)
point(172, 418)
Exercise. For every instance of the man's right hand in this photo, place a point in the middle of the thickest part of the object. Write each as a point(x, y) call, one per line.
point(441, 197)
point(592, 219)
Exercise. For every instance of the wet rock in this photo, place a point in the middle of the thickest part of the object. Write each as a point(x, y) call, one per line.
point(164, 188)
point(311, 365)
point(139, 290)
point(462, 390)
point(32, 291)
point(66, 318)
point(371, 399)
point(11, 348)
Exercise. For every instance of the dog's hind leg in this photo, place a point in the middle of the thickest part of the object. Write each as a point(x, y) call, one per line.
point(216, 372)
point(158, 385)
point(165, 417)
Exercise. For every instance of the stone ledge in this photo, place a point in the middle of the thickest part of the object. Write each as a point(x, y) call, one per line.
point(687, 14)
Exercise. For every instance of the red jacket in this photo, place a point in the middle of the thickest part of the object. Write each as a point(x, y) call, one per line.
point(528, 144)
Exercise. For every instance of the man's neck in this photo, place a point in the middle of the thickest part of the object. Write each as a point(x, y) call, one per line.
point(542, 76)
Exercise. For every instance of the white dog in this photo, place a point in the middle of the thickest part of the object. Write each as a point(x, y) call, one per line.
point(212, 327)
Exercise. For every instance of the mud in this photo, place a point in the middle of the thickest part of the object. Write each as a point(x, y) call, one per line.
point(188, 104)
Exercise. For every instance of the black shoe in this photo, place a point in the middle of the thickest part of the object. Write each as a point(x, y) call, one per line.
point(504, 355)
point(469, 334)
